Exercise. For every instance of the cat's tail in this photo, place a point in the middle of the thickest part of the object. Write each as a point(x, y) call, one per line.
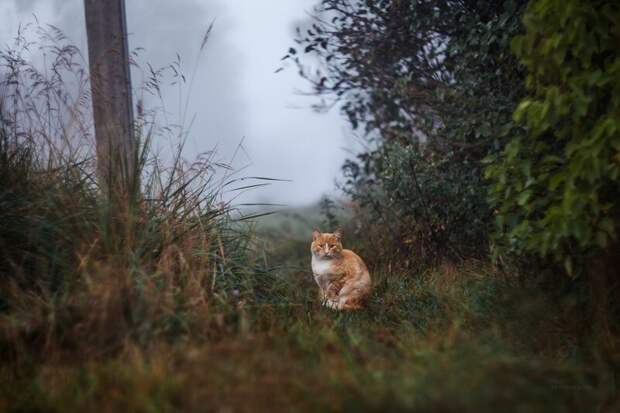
point(352, 303)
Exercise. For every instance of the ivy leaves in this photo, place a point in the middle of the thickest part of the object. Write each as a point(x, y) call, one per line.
point(557, 186)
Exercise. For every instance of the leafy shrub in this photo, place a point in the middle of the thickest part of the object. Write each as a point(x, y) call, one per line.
point(433, 85)
point(557, 186)
point(420, 202)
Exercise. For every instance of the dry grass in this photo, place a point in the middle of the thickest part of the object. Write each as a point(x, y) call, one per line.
point(83, 276)
point(422, 345)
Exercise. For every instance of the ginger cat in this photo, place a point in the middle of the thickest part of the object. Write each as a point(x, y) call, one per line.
point(342, 276)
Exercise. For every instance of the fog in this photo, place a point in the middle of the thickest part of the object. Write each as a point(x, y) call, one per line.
point(235, 97)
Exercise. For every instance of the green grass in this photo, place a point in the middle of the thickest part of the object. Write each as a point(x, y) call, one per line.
point(443, 340)
point(206, 318)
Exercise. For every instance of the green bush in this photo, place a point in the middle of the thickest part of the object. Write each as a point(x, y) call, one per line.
point(420, 203)
point(433, 86)
point(556, 187)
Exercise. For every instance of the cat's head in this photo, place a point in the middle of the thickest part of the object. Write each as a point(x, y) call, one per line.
point(326, 245)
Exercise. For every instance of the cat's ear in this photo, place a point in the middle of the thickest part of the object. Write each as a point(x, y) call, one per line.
point(339, 233)
point(315, 234)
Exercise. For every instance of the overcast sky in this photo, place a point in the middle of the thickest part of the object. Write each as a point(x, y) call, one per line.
point(236, 96)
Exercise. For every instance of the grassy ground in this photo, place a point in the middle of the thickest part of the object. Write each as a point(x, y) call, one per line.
point(168, 305)
point(191, 313)
point(452, 339)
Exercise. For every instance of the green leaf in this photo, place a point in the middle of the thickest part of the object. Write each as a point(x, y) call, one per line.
point(524, 197)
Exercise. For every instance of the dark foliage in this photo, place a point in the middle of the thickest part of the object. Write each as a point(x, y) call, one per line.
point(433, 85)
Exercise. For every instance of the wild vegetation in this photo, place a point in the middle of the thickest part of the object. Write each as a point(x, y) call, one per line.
point(486, 208)
point(493, 129)
point(433, 84)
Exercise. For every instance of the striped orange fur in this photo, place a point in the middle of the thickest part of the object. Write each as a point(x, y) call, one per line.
point(343, 278)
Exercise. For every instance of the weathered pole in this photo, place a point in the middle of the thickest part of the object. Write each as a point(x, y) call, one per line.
point(108, 56)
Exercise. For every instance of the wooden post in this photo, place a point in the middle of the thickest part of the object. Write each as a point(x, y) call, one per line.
point(108, 55)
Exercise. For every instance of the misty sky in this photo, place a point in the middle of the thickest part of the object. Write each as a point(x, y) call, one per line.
point(236, 96)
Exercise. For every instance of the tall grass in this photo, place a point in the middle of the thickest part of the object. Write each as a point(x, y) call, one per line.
point(78, 276)
point(455, 339)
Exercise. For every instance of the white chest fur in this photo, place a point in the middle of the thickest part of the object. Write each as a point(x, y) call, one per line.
point(321, 267)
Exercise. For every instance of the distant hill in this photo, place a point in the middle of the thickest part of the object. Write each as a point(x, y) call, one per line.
point(297, 223)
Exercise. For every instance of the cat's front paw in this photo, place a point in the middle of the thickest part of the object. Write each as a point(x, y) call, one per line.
point(334, 305)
